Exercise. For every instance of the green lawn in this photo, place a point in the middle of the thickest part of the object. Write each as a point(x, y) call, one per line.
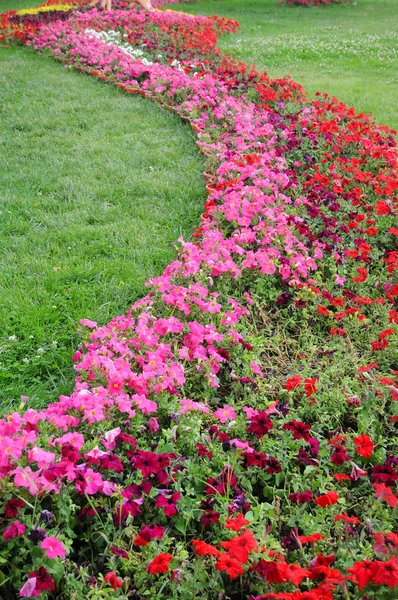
point(350, 51)
point(95, 187)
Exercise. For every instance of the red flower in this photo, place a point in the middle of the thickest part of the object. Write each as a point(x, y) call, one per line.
point(362, 275)
point(237, 523)
point(203, 451)
point(362, 573)
point(147, 463)
point(299, 429)
point(364, 445)
point(273, 571)
point(240, 546)
point(344, 517)
point(204, 549)
point(114, 581)
point(297, 574)
point(385, 493)
point(44, 581)
point(310, 386)
point(338, 331)
point(210, 516)
point(12, 507)
point(386, 333)
point(385, 543)
point(230, 565)
point(339, 455)
point(386, 572)
point(310, 539)
point(367, 368)
point(383, 474)
point(327, 499)
point(382, 208)
point(271, 465)
point(341, 476)
point(260, 424)
point(292, 383)
point(301, 498)
point(160, 564)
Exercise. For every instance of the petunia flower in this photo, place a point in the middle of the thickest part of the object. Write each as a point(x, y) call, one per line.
point(327, 499)
point(386, 573)
point(239, 547)
point(293, 382)
point(236, 523)
point(225, 413)
point(364, 445)
point(113, 580)
point(13, 530)
point(362, 573)
point(230, 565)
point(160, 564)
point(38, 581)
point(53, 547)
point(204, 549)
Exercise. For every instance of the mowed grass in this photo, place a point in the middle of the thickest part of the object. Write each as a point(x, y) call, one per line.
point(349, 51)
point(95, 187)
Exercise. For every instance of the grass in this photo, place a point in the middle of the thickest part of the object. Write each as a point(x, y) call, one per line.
point(349, 51)
point(95, 187)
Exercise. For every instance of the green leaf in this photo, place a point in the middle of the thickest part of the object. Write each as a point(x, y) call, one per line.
point(56, 569)
point(249, 516)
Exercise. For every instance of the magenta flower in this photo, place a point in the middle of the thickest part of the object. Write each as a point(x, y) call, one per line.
point(168, 504)
point(53, 547)
point(14, 530)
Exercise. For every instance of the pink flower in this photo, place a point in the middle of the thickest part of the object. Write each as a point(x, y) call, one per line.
point(110, 438)
point(53, 547)
point(256, 369)
point(9, 448)
point(40, 456)
point(242, 445)
point(87, 323)
point(223, 414)
point(340, 280)
point(356, 472)
point(28, 590)
point(153, 424)
point(143, 403)
point(26, 478)
point(250, 412)
point(75, 439)
point(92, 482)
point(15, 529)
point(188, 405)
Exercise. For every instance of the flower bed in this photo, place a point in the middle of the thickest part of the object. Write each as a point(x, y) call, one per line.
point(234, 434)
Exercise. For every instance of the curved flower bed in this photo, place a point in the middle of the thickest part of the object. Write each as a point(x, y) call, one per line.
point(234, 434)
